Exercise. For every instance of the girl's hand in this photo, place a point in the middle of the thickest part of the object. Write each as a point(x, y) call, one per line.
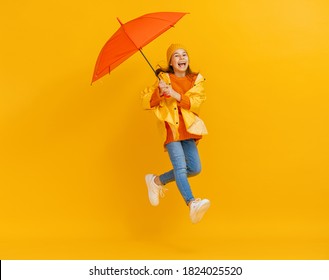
point(162, 84)
point(164, 88)
point(172, 93)
point(168, 91)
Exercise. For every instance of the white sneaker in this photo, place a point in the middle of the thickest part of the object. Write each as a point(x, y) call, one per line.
point(198, 208)
point(154, 190)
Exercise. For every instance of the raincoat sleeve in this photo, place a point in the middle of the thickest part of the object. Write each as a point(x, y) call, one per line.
point(156, 98)
point(197, 95)
point(150, 97)
point(185, 102)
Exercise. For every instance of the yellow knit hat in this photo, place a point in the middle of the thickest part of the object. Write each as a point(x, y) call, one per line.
point(172, 48)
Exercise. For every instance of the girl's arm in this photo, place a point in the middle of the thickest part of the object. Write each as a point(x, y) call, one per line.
point(169, 91)
point(151, 96)
point(156, 97)
point(192, 99)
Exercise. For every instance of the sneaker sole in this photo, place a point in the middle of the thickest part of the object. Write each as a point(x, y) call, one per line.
point(201, 211)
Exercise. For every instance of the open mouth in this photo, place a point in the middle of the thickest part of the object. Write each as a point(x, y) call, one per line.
point(182, 64)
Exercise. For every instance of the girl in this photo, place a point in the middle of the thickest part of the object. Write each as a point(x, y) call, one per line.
point(176, 98)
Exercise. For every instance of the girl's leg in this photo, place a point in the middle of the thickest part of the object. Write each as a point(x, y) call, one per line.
point(186, 162)
point(179, 174)
point(193, 164)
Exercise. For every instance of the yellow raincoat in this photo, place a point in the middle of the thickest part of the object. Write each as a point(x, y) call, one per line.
point(165, 110)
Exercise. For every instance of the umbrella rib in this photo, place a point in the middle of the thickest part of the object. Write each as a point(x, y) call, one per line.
point(162, 20)
point(117, 60)
point(122, 25)
point(140, 49)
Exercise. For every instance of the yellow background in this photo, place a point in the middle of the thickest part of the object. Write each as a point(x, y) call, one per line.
point(73, 156)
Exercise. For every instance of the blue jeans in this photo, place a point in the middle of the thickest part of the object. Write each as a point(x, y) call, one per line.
point(185, 159)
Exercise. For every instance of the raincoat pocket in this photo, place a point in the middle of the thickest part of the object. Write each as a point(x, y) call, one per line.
point(197, 127)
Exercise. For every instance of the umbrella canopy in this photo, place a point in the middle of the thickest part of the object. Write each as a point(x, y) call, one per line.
point(132, 37)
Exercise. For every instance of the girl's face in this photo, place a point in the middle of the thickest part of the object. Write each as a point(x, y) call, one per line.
point(179, 62)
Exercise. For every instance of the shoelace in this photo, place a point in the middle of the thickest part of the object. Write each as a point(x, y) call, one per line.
point(195, 201)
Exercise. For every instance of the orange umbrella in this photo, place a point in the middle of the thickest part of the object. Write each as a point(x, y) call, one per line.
point(131, 37)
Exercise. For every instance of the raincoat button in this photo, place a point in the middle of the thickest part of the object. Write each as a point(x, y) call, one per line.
point(175, 108)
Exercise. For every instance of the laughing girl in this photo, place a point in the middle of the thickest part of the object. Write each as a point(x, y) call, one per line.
point(176, 98)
